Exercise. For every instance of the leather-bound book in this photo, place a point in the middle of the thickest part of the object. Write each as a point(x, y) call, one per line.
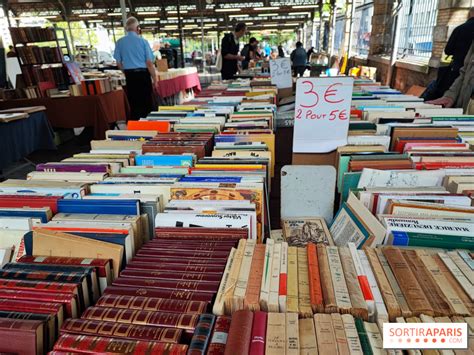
point(431, 290)
point(411, 289)
point(179, 261)
point(308, 343)
point(24, 337)
point(202, 335)
point(151, 304)
point(205, 269)
point(177, 253)
point(210, 287)
point(340, 334)
point(201, 234)
point(325, 333)
point(122, 331)
point(240, 332)
point(389, 298)
point(330, 305)
point(316, 293)
point(252, 295)
point(276, 334)
point(292, 288)
point(304, 300)
point(343, 300)
point(147, 253)
point(160, 293)
point(167, 275)
point(292, 334)
point(48, 308)
point(71, 305)
point(259, 328)
point(160, 319)
point(209, 245)
point(102, 345)
point(219, 336)
point(359, 306)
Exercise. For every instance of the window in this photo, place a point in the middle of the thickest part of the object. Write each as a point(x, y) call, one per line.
point(417, 20)
point(362, 27)
point(339, 35)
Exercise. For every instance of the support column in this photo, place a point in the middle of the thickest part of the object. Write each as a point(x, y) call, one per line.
point(123, 9)
point(181, 37)
point(381, 36)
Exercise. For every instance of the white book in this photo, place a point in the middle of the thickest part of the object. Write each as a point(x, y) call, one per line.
point(458, 275)
point(283, 276)
point(439, 198)
point(6, 255)
point(158, 190)
point(12, 231)
point(361, 274)
point(275, 279)
point(400, 178)
point(244, 273)
point(66, 176)
point(267, 275)
point(218, 308)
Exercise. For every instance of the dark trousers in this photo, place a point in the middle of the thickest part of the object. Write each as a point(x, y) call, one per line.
point(299, 70)
point(139, 93)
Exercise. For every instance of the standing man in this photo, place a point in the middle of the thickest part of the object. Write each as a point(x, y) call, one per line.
point(298, 59)
point(230, 50)
point(135, 58)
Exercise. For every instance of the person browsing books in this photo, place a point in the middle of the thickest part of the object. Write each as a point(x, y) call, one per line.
point(230, 51)
point(135, 58)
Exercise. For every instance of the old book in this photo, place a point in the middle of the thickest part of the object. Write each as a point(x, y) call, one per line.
point(244, 273)
point(458, 275)
point(304, 301)
point(411, 289)
point(411, 351)
point(352, 337)
point(238, 341)
point(427, 319)
point(470, 327)
point(202, 335)
point(425, 351)
point(325, 333)
point(259, 328)
point(462, 265)
point(315, 291)
point(375, 338)
point(24, 336)
point(292, 334)
point(340, 334)
point(363, 337)
point(359, 306)
point(219, 336)
point(272, 304)
point(457, 306)
point(308, 343)
point(266, 275)
point(252, 295)
point(341, 292)
point(276, 334)
point(430, 288)
point(283, 287)
point(228, 291)
point(120, 330)
point(402, 302)
point(210, 287)
point(292, 291)
point(381, 314)
point(219, 304)
point(330, 304)
point(363, 281)
point(390, 301)
point(300, 231)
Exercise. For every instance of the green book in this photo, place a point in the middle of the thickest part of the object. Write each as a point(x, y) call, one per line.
point(364, 339)
point(154, 170)
point(430, 240)
point(349, 182)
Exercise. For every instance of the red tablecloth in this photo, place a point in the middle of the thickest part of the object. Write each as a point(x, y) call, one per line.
point(96, 111)
point(170, 87)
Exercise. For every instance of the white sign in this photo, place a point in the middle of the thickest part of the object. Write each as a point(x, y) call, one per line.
point(322, 114)
point(280, 71)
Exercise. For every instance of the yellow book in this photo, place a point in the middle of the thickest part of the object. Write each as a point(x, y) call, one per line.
point(292, 283)
point(177, 108)
point(304, 302)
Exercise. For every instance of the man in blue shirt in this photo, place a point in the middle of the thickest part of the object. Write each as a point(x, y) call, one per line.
point(135, 58)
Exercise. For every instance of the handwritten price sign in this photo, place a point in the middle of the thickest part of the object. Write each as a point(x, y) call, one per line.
point(322, 113)
point(280, 71)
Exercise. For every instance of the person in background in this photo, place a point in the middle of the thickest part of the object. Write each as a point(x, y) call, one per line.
point(459, 94)
point(310, 53)
point(11, 53)
point(281, 52)
point(135, 58)
point(156, 50)
point(230, 51)
point(298, 59)
point(167, 52)
point(249, 52)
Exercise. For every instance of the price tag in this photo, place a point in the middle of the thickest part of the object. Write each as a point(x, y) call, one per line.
point(322, 113)
point(280, 72)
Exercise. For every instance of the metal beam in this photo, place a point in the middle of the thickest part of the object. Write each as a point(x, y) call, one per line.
point(123, 9)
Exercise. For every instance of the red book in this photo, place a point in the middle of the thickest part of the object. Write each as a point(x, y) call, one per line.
point(210, 287)
point(31, 201)
point(103, 345)
point(43, 286)
point(259, 329)
point(152, 304)
point(157, 259)
point(32, 307)
point(167, 275)
point(160, 319)
point(205, 269)
point(24, 336)
point(69, 301)
point(198, 233)
point(123, 331)
point(219, 336)
point(190, 245)
point(160, 293)
point(240, 332)
point(184, 253)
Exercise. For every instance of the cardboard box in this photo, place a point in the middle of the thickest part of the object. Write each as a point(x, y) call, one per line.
point(162, 65)
point(315, 159)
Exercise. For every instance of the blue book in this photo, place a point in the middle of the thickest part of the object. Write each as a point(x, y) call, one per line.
point(41, 215)
point(165, 160)
point(125, 207)
point(224, 179)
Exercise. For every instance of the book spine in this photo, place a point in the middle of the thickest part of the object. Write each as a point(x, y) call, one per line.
point(283, 287)
point(362, 278)
point(166, 275)
point(252, 294)
point(218, 341)
point(160, 293)
point(37, 285)
point(244, 273)
point(304, 301)
point(272, 304)
point(329, 297)
point(340, 334)
point(257, 340)
point(238, 341)
point(307, 333)
point(325, 332)
point(120, 330)
point(276, 334)
point(292, 333)
point(292, 292)
point(353, 340)
point(316, 295)
point(341, 292)
point(202, 334)
point(267, 275)
point(414, 239)
point(204, 269)
point(210, 287)
point(364, 340)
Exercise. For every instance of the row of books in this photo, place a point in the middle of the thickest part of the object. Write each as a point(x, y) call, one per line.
point(39, 55)
point(32, 34)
